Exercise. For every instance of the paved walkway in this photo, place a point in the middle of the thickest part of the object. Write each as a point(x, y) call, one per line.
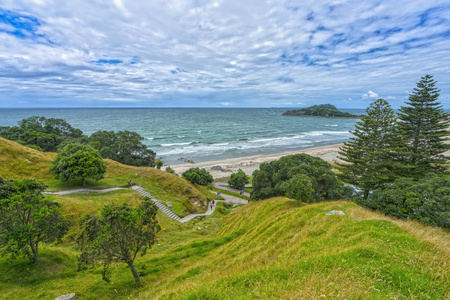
point(159, 204)
point(224, 186)
point(84, 191)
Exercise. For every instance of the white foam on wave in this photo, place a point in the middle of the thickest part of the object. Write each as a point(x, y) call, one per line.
point(175, 144)
point(334, 125)
point(150, 139)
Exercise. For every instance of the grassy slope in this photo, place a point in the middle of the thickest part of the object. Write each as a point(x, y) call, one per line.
point(19, 162)
point(268, 249)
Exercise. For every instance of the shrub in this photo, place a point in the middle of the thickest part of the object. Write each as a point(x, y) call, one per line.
point(198, 176)
point(238, 180)
point(426, 200)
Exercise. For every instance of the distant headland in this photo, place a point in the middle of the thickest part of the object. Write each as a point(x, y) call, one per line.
point(321, 110)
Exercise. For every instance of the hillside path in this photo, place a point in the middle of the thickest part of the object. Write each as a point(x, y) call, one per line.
point(224, 186)
point(161, 206)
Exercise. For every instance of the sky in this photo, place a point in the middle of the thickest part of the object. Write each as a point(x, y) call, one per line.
point(183, 53)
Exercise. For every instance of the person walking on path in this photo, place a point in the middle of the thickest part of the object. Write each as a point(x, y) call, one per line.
point(129, 184)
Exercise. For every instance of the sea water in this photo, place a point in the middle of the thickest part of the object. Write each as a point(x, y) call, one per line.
point(202, 134)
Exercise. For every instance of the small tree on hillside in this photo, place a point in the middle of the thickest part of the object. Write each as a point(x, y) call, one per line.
point(117, 236)
point(78, 161)
point(425, 125)
point(238, 180)
point(27, 218)
point(375, 155)
point(198, 176)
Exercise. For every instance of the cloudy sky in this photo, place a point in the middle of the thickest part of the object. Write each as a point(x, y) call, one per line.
point(182, 53)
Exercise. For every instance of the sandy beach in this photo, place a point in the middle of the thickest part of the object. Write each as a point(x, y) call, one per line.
point(248, 164)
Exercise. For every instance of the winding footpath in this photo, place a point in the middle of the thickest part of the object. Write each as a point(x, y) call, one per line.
point(163, 208)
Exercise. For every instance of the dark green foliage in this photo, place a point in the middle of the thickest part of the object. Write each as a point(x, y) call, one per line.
point(238, 180)
point(78, 161)
point(124, 146)
point(41, 133)
point(321, 110)
point(198, 176)
point(118, 235)
point(426, 200)
point(170, 170)
point(425, 125)
point(159, 164)
point(27, 218)
point(301, 176)
point(375, 155)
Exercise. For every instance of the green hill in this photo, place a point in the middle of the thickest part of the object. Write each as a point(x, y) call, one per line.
point(321, 110)
point(19, 162)
point(270, 249)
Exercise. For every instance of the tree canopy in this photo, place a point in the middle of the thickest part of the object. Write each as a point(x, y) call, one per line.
point(118, 235)
point(425, 125)
point(27, 218)
point(198, 176)
point(300, 176)
point(41, 133)
point(124, 146)
point(78, 161)
point(375, 155)
point(238, 180)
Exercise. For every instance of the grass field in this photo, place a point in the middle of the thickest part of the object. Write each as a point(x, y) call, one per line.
point(268, 249)
point(271, 249)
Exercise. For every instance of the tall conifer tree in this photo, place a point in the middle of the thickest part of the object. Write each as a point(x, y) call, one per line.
point(374, 155)
point(425, 125)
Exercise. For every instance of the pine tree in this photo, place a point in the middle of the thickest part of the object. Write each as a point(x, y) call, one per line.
point(374, 155)
point(425, 125)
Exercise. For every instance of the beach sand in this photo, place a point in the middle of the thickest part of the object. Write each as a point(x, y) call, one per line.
point(248, 164)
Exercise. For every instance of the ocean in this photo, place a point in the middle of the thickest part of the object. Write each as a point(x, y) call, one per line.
point(202, 134)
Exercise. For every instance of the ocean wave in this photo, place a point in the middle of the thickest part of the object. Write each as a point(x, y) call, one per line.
point(334, 125)
point(150, 139)
point(176, 144)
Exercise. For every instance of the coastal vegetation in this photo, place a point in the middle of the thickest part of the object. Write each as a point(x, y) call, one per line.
point(300, 177)
point(198, 176)
point(28, 219)
point(238, 180)
point(52, 134)
point(78, 161)
point(118, 235)
point(123, 146)
point(320, 110)
point(398, 163)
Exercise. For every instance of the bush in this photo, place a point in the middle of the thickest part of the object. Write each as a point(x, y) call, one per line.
point(426, 200)
point(301, 177)
point(198, 176)
point(238, 180)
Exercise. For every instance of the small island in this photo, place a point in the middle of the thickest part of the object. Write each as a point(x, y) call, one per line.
point(321, 110)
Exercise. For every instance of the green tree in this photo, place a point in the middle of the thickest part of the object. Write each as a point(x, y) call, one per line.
point(375, 155)
point(118, 235)
point(238, 180)
point(279, 178)
point(198, 176)
point(41, 133)
point(124, 146)
point(27, 218)
point(426, 199)
point(78, 161)
point(425, 125)
point(159, 164)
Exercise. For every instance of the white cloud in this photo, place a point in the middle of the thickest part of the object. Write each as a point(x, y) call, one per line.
point(260, 51)
point(225, 103)
point(370, 95)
